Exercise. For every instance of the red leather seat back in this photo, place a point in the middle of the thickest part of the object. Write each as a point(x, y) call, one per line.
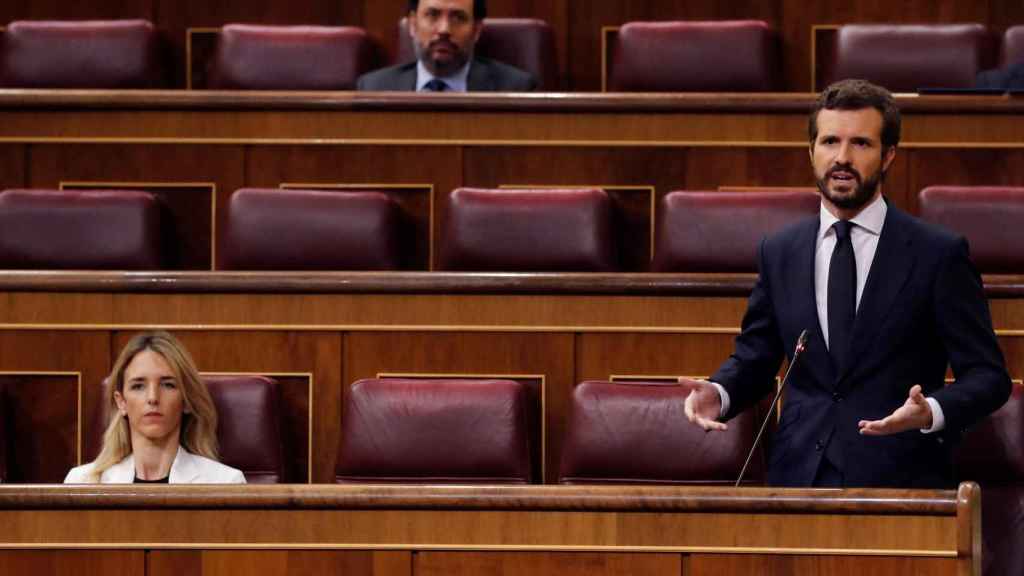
point(636, 433)
point(526, 43)
point(274, 229)
point(110, 54)
point(990, 217)
point(94, 229)
point(248, 425)
point(905, 58)
point(251, 57)
point(721, 231)
point(992, 453)
point(1013, 45)
point(567, 230)
point(435, 431)
point(725, 56)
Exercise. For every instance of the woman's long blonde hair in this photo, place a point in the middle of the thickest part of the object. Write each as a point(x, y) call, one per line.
point(198, 422)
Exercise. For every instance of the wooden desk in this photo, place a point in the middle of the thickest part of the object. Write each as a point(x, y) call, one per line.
point(536, 530)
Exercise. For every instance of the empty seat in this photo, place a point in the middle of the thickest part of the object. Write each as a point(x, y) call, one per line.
point(85, 54)
point(992, 453)
point(726, 56)
point(248, 425)
point(79, 229)
point(251, 57)
point(721, 231)
point(635, 432)
point(526, 43)
point(274, 229)
point(1013, 46)
point(990, 217)
point(528, 230)
point(906, 58)
point(436, 431)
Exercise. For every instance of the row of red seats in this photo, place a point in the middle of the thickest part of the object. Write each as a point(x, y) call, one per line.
point(681, 56)
point(564, 230)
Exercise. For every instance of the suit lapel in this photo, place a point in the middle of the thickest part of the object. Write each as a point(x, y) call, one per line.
point(407, 78)
point(184, 469)
point(817, 360)
point(121, 473)
point(893, 263)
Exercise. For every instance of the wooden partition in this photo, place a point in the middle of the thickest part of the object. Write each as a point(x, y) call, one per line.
point(419, 530)
point(194, 149)
point(327, 330)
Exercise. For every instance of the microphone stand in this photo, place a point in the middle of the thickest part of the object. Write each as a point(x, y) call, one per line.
point(801, 345)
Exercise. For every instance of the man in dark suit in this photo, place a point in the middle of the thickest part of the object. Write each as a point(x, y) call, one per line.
point(444, 33)
point(887, 300)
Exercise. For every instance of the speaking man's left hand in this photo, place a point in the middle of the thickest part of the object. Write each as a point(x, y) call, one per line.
point(914, 414)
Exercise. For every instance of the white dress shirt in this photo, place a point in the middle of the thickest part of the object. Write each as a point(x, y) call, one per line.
point(864, 235)
point(457, 82)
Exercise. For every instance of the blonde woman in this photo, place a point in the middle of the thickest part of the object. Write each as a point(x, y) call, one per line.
point(164, 425)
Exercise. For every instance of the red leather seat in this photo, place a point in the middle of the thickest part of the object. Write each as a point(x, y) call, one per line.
point(251, 57)
point(435, 431)
point(248, 425)
point(725, 56)
point(905, 58)
point(94, 229)
point(274, 229)
point(1013, 46)
point(526, 43)
point(990, 217)
point(567, 230)
point(80, 54)
point(635, 433)
point(992, 453)
point(721, 231)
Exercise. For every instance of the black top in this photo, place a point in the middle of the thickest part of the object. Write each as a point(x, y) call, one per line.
point(164, 480)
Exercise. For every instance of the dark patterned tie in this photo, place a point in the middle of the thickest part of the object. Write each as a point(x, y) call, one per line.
point(842, 294)
point(436, 85)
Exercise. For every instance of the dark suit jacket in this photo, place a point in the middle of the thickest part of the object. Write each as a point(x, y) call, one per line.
point(922, 307)
point(1010, 78)
point(484, 76)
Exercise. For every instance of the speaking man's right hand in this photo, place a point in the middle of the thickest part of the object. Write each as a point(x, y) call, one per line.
point(703, 405)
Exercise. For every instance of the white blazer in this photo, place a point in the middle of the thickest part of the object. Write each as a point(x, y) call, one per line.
point(187, 468)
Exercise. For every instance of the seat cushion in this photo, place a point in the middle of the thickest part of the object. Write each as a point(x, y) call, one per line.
point(251, 57)
point(721, 231)
point(274, 229)
point(636, 433)
point(726, 56)
point(407, 430)
point(989, 217)
point(79, 54)
point(905, 58)
point(567, 230)
point(71, 229)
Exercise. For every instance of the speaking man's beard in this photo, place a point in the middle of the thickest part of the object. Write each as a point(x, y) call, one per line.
point(862, 193)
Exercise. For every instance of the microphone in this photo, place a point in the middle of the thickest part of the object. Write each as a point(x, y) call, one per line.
point(801, 345)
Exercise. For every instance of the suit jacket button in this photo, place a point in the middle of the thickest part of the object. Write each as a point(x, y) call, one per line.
point(819, 445)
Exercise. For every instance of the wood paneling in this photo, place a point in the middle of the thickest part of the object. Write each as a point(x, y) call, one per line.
point(278, 563)
point(600, 356)
point(51, 403)
point(42, 410)
point(763, 565)
point(928, 167)
point(547, 354)
point(542, 564)
point(12, 165)
point(60, 562)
